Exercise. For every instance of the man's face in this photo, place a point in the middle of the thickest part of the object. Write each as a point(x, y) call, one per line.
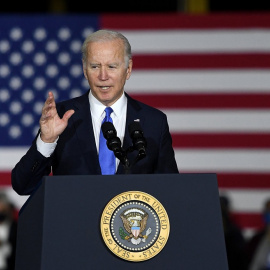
point(106, 71)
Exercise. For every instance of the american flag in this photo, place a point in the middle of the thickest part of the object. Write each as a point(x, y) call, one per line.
point(209, 73)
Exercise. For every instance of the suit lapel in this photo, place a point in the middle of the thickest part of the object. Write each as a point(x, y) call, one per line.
point(84, 130)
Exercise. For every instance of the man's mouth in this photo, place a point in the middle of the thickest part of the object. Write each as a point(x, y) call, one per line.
point(104, 87)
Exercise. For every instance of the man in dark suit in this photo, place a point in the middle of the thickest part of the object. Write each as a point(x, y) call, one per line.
point(69, 137)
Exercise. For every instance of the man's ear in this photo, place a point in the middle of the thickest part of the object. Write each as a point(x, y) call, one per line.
point(84, 69)
point(129, 69)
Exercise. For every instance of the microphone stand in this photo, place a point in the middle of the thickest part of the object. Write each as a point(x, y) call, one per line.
point(114, 144)
point(124, 160)
point(127, 165)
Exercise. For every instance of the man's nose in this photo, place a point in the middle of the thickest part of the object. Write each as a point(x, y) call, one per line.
point(103, 74)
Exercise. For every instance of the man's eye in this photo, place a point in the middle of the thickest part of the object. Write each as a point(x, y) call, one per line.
point(112, 66)
point(94, 67)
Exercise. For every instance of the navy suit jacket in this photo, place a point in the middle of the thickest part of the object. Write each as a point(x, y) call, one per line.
point(76, 152)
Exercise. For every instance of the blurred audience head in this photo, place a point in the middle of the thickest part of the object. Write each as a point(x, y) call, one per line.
point(6, 209)
point(266, 212)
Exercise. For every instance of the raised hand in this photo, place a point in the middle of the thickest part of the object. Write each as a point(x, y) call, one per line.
point(51, 125)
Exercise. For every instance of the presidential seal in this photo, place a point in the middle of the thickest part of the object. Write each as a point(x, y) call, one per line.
point(135, 226)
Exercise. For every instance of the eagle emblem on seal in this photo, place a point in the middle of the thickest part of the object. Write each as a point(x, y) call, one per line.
point(135, 222)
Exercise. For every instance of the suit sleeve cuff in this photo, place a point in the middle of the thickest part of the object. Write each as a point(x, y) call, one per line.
point(46, 149)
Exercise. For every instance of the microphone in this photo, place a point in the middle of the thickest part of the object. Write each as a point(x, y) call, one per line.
point(113, 142)
point(138, 140)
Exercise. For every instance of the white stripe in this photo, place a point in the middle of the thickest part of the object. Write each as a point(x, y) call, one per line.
point(218, 120)
point(199, 81)
point(246, 200)
point(173, 41)
point(219, 160)
point(9, 156)
point(193, 160)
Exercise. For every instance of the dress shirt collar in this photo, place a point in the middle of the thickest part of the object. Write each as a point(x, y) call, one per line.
point(97, 108)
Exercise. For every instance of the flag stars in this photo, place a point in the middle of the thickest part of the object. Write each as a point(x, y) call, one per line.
point(52, 46)
point(39, 83)
point(76, 70)
point(63, 83)
point(75, 46)
point(15, 83)
point(15, 107)
point(35, 62)
point(87, 31)
point(38, 107)
point(64, 58)
point(27, 119)
point(15, 132)
point(28, 71)
point(64, 33)
point(15, 58)
point(40, 34)
point(4, 119)
point(4, 46)
point(40, 59)
point(28, 46)
point(27, 95)
point(52, 71)
point(4, 95)
point(75, 93)
point(16, 34)
point(4, 71)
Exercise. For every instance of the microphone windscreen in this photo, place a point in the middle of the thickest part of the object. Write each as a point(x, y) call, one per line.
point(108, 130)
point(134, 126)
point(106, 126)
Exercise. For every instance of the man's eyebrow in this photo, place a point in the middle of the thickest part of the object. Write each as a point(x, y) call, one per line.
point(114, 64)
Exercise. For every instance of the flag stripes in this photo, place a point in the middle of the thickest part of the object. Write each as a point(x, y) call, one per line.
point(200, 81)
point(205, 101)
point(228, 140)
point(183, 21)
point(199, 60)
point(210, 75)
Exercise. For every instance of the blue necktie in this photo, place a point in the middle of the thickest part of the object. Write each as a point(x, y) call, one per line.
point(106, 156)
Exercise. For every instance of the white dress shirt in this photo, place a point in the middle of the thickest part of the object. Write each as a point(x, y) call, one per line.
point(97, 113)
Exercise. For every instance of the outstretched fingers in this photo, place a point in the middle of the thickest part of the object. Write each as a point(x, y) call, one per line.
point(67, 115)
point(49, 108)
point(51, 125)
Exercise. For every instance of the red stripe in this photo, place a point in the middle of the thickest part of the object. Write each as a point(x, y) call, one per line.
point(205, 101)
point(5, 178)
point(244, 180)
point(217, 140)
point(196, 61)
point(248, 220)
point(182, 21)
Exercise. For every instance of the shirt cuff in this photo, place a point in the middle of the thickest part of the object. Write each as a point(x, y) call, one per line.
point(46, 149)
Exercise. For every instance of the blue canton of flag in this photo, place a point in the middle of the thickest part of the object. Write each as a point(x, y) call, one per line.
point(38, 54)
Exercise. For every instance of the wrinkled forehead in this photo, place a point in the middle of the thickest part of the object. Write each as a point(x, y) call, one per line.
point(113, 44)
point(110, 51)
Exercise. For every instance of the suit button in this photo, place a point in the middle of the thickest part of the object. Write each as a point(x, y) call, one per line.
point(35, 166)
